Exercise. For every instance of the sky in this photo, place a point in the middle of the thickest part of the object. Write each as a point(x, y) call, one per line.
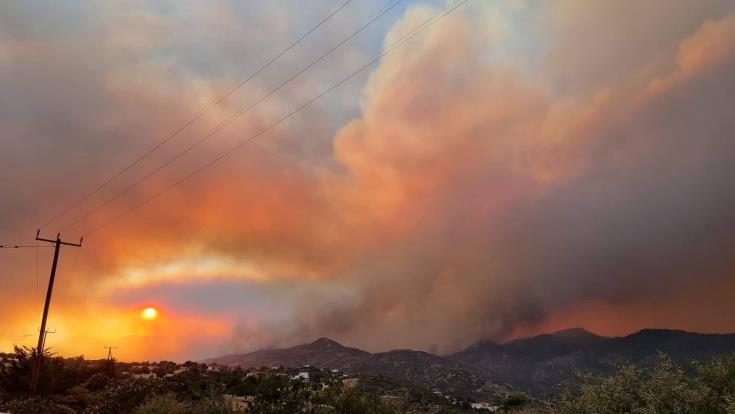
point(517, 167)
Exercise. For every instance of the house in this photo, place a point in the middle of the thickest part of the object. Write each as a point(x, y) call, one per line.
point(178, 371)
point(485, 406)
point(144, 376)
point(303, 375)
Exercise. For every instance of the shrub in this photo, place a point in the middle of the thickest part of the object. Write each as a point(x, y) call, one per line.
point(124, 396)
point(664, 389)
point(161, 404)
point(35, 406)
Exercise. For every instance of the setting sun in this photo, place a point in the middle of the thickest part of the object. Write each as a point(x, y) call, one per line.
point(149, 313)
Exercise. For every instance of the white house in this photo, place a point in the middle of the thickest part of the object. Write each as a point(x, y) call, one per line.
point(486, 406)
point(301, 376)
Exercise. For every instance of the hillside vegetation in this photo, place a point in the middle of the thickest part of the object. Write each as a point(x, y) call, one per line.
point(79, 386)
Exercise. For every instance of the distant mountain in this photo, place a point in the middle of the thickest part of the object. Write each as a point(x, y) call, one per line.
point(548, 345)
point(322, 353)
point(541, 364)
point(530, 364)
point(420, 368)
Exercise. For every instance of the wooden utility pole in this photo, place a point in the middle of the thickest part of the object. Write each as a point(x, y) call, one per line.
point(109, 352)
point(45, 333)
point(110, 364)
point(42, 333)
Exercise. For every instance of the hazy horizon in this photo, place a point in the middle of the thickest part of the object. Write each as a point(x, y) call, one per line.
point(308, 342)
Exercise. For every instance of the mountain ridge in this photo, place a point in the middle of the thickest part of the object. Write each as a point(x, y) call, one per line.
point(536, 364)
point(539, 364)
point(417, 367)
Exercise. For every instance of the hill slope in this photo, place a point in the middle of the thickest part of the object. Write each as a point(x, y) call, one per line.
point(540, 364)
point(420, 368)
point(322, 353)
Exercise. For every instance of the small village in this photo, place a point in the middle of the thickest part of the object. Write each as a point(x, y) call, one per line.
point(238, 389)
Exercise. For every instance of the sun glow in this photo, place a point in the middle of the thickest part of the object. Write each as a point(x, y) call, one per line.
point(149, 313)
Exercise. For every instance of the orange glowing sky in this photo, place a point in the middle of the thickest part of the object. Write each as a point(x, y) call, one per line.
point(517, 167)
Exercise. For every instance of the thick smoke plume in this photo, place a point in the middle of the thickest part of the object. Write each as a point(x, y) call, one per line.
point(485, 184)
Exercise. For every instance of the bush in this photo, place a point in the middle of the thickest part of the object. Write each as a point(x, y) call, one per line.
point(124, 396)
point(515, 402)
point(210, 405)
point(97, 382)
point(35, 406)
point(352, 400)
point(161, 404)
point(664, 389)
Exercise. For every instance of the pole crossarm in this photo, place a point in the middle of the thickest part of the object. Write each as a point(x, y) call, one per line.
point(58, 238)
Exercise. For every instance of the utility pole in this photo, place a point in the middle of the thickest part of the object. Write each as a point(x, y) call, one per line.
point(109, 352)
point(45, 333)
point(110, 364)
point(42, 333)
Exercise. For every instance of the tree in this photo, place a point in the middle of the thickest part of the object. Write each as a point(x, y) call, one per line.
point(162, 404)
point(664, 389)
point(514, 402)
point(17, 378)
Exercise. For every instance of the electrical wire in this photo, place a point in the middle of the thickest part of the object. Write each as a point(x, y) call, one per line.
point(19, 246)
point(230, 120)
point(429, 22)
point(198, 115)
point(37, 246)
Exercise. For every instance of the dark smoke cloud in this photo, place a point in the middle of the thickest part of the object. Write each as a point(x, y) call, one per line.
point(493, 247)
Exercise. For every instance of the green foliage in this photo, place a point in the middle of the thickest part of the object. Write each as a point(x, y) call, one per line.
point(97, 382)
point(75, 385)
point(210, 405)
point(718, 374)
point(164, 368)
point(664, 389)
point(57, 374)
point(515, 402)
point(277, 394)
point(124, 396)
point(161, 404)
point(17, 378)
point(352, 400)
point(35, 406)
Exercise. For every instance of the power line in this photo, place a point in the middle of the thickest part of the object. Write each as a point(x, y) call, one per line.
point(198, 115)
point(37, 246)
point(221, 126)
point(74, 263)
point(22, 336)
point(70, 275)
point(427, 23)
point(19, 246)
